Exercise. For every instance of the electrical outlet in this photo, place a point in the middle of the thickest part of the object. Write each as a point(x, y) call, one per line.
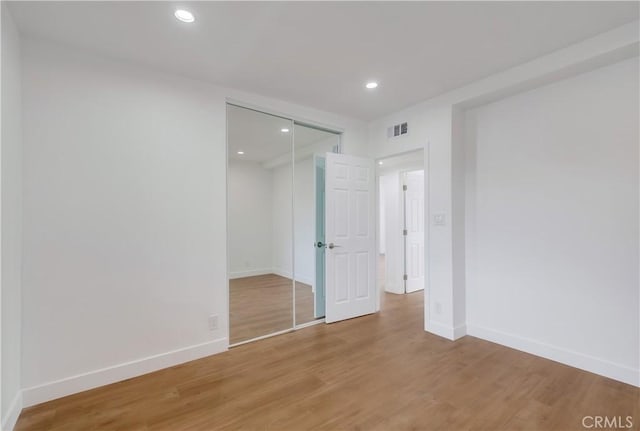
point(213, 322)
point(438, 308)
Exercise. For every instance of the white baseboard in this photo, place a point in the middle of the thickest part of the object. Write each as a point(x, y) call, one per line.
point(589, 363)
point(13, 413)
point(440, 329)
point(282, 273)
point(93, 379)
point(446, 331)
point(287, 274)
point(304, 279)
point(393, 288)
point(459, 331)
point(249, 273)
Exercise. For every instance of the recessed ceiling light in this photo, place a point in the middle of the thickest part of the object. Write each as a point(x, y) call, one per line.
point(184, 15)
point(380, 162)
point(285, 130)
point(241, 152)
point(371, 85)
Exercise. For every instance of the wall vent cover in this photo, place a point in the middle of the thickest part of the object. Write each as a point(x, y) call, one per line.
point(397, 130)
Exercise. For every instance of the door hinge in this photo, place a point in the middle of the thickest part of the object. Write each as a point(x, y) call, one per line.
point(404, 187)
point(405, 278)
point(404, 232)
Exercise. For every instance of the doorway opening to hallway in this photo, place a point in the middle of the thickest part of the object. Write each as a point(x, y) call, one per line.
point(401, 224)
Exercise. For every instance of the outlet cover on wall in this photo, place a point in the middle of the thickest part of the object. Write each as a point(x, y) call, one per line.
point(213, 322)
point(438, 308)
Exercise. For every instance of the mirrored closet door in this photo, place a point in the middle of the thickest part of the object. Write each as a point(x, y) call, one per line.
point(310, 145)
point(260, 217)
point(276, 222)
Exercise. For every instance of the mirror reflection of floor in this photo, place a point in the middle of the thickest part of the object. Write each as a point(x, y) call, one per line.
point(262, 305)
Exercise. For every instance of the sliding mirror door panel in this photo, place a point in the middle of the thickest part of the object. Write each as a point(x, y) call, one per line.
point(260, 217)
point(310, 147)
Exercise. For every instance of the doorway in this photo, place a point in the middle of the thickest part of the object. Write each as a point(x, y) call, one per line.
point(401, 223)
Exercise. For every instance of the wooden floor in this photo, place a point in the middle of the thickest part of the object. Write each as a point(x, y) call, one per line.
point(378, 372)
point(263, 304)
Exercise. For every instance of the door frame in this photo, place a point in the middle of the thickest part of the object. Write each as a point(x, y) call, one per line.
point(427, 224)
point(295, 120)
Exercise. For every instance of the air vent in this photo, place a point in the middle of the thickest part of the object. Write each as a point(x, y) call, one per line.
point(397, 130)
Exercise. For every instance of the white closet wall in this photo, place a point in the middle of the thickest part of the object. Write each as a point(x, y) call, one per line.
point(250, 219)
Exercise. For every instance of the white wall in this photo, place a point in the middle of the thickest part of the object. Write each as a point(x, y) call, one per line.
point(124, 217)
point(382, 240)
point(429, 129)
point(282, 221)
point(553, 221)
point(11, 226)
point(458, 218)
point(431, 126)
point(124, 221)
point(304, 216)
point(250, 219)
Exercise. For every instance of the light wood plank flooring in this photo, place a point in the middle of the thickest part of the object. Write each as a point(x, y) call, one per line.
point(262, 305)
point(378, 372)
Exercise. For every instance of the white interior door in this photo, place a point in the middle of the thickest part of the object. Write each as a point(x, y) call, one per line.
point(414, 230)
point(350, 235)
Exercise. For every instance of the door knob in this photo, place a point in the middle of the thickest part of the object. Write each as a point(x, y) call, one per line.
point(332, 245)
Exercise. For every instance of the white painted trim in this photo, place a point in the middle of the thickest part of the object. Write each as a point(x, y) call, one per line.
point(255, 272)
point(459, 331)
point(311, 323)
point(241, 100)
point(305, 280)
point(589, 363)
point(15, 408)
point(250, 273)
point(93, 379)
point(262, 337)
point(440, 329)
point(287, 274)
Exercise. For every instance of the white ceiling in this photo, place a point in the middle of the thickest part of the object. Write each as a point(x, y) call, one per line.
point(260, 137)
point(321, 53)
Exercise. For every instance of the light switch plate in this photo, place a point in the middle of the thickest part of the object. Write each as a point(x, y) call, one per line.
point(439, 220)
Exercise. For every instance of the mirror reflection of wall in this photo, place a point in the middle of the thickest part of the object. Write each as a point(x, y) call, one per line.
point(260, 223)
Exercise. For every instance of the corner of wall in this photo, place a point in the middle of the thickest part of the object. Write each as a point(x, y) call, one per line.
point(458, 216)
point(11, 220)
point(446, 331)
point(13, 413)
